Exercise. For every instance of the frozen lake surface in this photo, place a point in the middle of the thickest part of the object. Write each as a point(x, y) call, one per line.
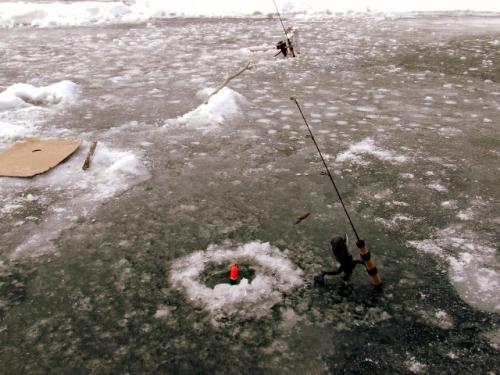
point(118, 269)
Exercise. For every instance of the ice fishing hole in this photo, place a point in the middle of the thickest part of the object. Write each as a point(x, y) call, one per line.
point(214, 274)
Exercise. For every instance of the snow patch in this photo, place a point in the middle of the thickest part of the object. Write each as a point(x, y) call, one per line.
point(416, 367)
point(10, 132)
point(472, 265)
point(426, 246)
point(450, 205)
point(368, 147)
point(476, 282)
point(162, 312)
point(396, 221)
point(24, 95)
point(408, 176)
point(219, 108)
point(436, 185)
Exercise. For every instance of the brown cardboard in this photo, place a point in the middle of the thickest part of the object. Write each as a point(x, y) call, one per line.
point(35, 156)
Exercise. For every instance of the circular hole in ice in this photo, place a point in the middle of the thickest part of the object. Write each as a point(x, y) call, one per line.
point(36, 150)
point(266, 274)
point(215, 274)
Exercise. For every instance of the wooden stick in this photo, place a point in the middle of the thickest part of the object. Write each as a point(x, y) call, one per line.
point(304, 216)
point(227, 80)
point(90, 155)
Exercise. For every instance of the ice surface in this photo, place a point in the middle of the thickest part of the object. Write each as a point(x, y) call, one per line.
point(248, 182)
point(94, 12)
point(275, 275)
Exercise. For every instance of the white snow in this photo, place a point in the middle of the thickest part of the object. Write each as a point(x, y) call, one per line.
point(24, 95)
point(274, 275)
point(220, 107)
point(99, 12)
point(10, 131)
point(396, 221)
point(415, 366)
point(450, 205)
point(368, 147)
point(443, 319)
point(25, 110)
point(473, 211)
point(476, 282)
point(426, 246)
point(62, 14)
point(437, 185)
point(408, 176)
point(471, 262)
point(162, 312)
point(450, 132)
point(438, 318)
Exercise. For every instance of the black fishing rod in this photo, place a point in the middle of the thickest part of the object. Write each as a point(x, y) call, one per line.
point(326, 167)
point(284, 30)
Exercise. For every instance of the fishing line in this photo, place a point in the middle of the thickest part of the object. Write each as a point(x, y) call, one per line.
point(326, 167)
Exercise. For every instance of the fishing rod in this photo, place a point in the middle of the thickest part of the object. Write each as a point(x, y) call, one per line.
point(284, 30)
point(326, 167)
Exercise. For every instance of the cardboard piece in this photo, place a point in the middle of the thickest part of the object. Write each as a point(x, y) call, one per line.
point(35, 156)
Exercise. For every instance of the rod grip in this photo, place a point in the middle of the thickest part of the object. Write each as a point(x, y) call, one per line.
point(369, 263)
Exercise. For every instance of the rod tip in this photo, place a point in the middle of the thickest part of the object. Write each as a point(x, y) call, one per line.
point(293, 98)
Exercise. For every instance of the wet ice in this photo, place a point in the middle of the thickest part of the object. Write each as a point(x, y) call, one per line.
point(160, 193)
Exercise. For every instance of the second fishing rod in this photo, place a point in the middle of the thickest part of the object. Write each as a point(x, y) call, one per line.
point(288, 44)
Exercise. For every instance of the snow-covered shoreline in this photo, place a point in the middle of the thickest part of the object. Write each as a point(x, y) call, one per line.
point(84, 13)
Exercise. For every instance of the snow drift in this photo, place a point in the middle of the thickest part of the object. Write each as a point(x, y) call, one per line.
point(80, 13)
